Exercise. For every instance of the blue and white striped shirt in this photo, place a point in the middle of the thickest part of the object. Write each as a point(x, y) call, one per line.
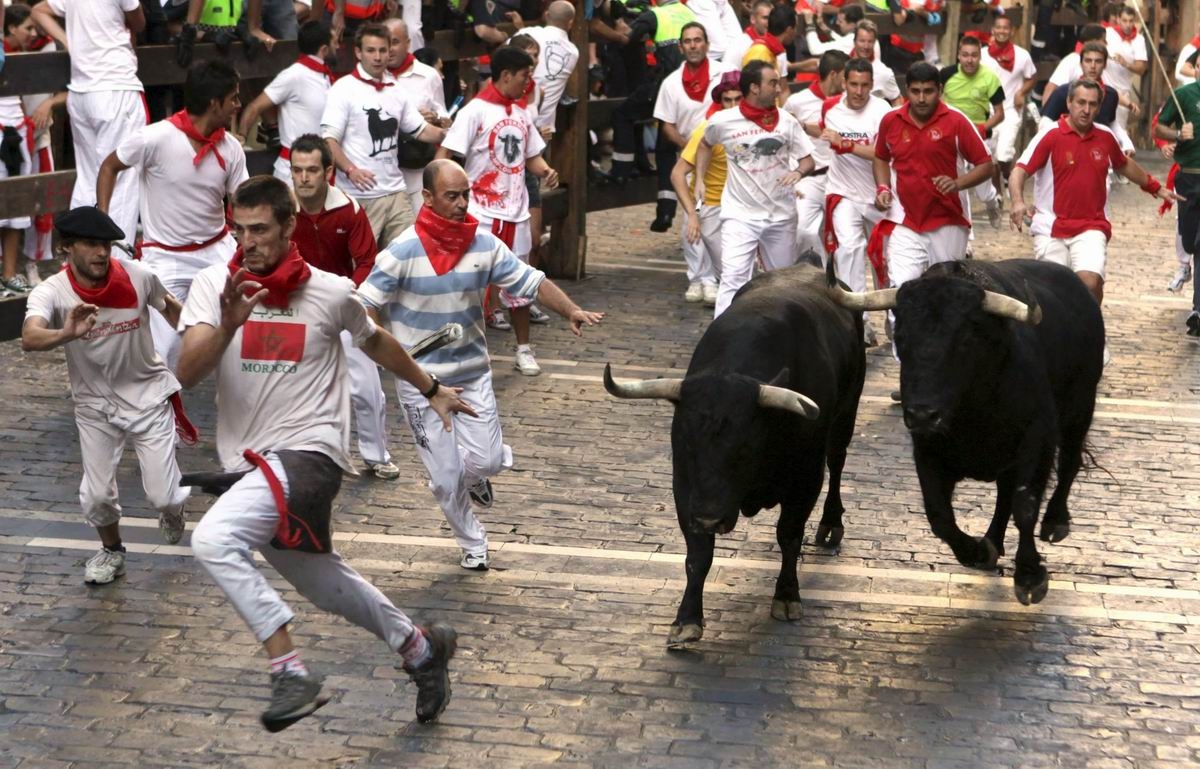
point(415, 301)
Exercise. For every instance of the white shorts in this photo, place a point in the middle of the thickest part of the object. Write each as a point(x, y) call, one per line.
point(1086, 252)
point(910, 253)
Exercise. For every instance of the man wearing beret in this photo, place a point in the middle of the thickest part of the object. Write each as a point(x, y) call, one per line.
point(98, 308)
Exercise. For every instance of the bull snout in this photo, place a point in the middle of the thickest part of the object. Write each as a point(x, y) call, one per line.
point(924, 419)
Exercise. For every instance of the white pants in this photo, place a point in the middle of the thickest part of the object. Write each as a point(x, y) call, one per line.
point(910, 253)
point(176, 270)
point(852, 223)
point(1085, 252)
point(242, 520)
point(700, 267)
point(370, 407)
point(413, 183)
point(740, 243)
point(810, 208)
point(472, 449)
point(710, 233)
point(1004, 137)
point(101, 444)
point(100, 120)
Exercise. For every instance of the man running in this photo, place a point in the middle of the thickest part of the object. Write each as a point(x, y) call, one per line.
point(976, 92)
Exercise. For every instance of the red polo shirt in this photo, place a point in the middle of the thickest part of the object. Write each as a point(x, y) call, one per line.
point(338, 239)
point(919, 153)
point(1070, 177)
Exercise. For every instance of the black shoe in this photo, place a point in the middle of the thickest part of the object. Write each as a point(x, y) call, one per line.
point(293, 696)
point(480, 493)
point(661, 223)
point(433, 678)
point(1193, 324)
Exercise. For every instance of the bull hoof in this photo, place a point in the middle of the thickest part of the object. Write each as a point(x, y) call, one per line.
point(830, 536)
point(786, 611)
point(684, 634)
point(1055, 532)
point(989, 554)
point(1035, 591)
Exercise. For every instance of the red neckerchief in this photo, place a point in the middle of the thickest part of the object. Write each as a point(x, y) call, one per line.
point(713, 109)
point(530, 86)
point(765, 119)
point(117, 293)
point(816, 90)
point(492, 95)
point(404, 65)
point(290, 274)
point(316, 66)
point(1126, 36)
point(1078, 47)
point(770, 41)
point(695, 80)
point(1004, 55)
point(1196, 41)
point(378, 85)
point(10, 49)
point(445, 241)
point(183, 121)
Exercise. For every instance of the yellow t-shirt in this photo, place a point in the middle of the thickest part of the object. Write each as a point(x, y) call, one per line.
point(714, 176)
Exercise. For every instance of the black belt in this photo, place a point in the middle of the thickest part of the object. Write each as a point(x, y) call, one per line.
point(818, 172)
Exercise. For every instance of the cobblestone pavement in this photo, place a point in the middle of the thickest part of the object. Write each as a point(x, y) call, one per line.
point(903, 658)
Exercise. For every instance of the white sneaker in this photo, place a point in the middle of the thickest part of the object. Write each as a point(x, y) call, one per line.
point(710, 294)
point(869, 337)
point(474, 562)
point(537, 316)
point(104, 567)
point(526, 363)
point(171, 525)
point(496, 320)
point(694, 293)
point(1182, 276)
point(993, 214)
point(31, 274)
point(385, 471)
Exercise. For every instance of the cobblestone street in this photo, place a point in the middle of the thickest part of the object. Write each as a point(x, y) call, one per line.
point(903, 658)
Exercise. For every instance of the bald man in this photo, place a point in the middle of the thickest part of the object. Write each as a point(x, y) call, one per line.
point(556, 62)
point(422, 86)
point(411, 287)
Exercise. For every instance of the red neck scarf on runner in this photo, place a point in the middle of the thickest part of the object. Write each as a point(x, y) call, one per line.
point(117, 293)
point(445, 240)
point(316, 66)
point(816, 90)
point(183, 121)
point(1004, 55)
point(695, 80)
point(1196, 41)
point(492, 95)
point(404, 65)
point(713, 109)
point(1126, 36)
point(770, 41)
point(10, 49)
point(291, 273)
point(378, 85)
point(765, 119)
point(530, 86)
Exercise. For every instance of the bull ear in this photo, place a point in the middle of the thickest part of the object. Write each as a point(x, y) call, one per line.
point(781, 379)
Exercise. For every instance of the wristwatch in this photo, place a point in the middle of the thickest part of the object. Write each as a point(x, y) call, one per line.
point(432, 391)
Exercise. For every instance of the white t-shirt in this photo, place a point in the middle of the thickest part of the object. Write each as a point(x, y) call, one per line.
point(1184, 55)
point(885, 81)
point(495, 146)
point(1115, 74)
point(181, 203)
point(757, 161)
point(1067, 70)
point(850, 176)
point(422, 85)
point(805, 106)
point(676, 107)
point(112, 368)
point(720, 23)
point(102, 57)
point(1011, 82)
point(282, 382)
point(736, 50)
point(300, 93)
point(555, 64)
point(367, 124)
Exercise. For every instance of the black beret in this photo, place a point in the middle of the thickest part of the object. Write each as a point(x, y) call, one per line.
point(87, 222)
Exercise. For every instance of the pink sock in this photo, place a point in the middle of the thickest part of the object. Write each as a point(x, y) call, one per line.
point(289, 663)
point(416, 651)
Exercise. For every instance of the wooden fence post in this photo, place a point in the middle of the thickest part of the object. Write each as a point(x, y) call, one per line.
point(567, 253)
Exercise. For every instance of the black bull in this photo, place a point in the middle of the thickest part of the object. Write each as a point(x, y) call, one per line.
point(769, 399)
point(991, 389)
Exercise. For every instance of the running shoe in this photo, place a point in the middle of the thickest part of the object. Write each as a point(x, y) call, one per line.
point(1182, 276)
point(537, 316)
point(694, 293)
point(526, 363)
point(433, 677)
point(385, 471)
point(496, 320)
point(293, 696)
point(474, 561)
point(104, 567)
point(171, 524)
point(1193, 324)
point(481, 493)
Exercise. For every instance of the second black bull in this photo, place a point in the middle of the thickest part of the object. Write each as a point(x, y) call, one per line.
point(770, 397)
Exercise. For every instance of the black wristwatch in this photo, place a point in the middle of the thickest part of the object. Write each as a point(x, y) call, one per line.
point(432, 391)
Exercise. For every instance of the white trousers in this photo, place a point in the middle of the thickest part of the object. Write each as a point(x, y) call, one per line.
point(99, 121)
point(700, 267)
point(710, 233)
point(176, 270)
point(1004, 137)
point(367, 399)
point(852, 223)
point(472, 449)
point(101, 444)
point(910, 253)
point(242, 520)
point(810, 209)
point(740, 244)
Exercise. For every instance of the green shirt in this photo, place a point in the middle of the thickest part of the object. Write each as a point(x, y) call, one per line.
point(1187, 154)
point(972, 96)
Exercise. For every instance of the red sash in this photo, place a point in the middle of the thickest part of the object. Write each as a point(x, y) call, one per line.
point(831, 241)
point(875, 251)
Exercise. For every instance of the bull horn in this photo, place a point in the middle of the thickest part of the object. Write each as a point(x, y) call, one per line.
point(772, 397)
point(1008, 307)
point(882, 299)
point(647, 388)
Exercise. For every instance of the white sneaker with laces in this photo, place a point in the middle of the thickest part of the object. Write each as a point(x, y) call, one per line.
point(1182, 276)
point(385, 471)
point(537, 316)
point(496, 320)
point(171, 524)
point(474, 562)
point(104, 567)
point(526, 363)
point(710, 294)
point(694, 293)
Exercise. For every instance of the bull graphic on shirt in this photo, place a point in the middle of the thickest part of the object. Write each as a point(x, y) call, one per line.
point(556, 57)
point(747, 153)
point(512, 148)
point(382, 130)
